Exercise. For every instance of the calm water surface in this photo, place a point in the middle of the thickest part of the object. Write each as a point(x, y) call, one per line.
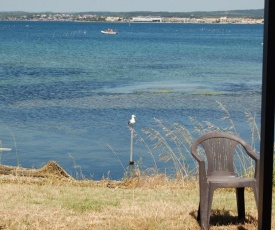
point(67, 91)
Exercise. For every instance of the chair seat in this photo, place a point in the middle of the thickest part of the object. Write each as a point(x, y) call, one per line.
point(230, 181)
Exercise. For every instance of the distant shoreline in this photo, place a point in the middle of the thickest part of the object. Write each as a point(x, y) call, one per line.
point(217, 17)
point(241, 21)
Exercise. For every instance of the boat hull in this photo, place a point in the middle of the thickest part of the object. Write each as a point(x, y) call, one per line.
point(109, 32)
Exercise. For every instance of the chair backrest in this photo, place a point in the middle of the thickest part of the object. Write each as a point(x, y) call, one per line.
point(219, 149)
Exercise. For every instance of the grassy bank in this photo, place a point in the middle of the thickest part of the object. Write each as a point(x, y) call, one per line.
point(149, 202)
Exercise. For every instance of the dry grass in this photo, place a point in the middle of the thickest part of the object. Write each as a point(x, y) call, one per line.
point(143, 202)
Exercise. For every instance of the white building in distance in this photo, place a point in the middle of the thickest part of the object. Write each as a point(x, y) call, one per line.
point(146, 19)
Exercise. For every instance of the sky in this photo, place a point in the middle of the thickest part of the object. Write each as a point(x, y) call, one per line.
point(128, 5)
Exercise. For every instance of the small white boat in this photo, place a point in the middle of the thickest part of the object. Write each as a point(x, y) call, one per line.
point(109, 31)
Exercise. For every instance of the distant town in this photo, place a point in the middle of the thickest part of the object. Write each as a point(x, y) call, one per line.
point(241, 17)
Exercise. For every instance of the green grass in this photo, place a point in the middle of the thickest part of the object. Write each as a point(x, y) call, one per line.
point(83, 202)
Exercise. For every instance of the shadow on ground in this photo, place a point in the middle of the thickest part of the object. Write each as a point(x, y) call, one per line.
point(224, 218)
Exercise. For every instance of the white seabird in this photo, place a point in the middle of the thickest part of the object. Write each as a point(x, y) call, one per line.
point(132, 121)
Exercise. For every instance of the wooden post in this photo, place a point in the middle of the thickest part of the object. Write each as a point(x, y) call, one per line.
point(131, 147)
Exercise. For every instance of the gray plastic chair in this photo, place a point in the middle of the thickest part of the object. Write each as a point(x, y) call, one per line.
point(219, 148)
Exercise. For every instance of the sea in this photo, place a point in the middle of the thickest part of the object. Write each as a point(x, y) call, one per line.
point(67, 91)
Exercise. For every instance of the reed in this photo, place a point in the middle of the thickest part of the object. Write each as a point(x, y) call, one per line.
point(175, 140)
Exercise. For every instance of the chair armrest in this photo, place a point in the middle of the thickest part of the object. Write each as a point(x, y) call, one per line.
point(201, 163)
point(252, 153)
point(255, 157)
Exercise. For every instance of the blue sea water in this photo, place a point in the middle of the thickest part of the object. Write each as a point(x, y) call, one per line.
point(67, 91)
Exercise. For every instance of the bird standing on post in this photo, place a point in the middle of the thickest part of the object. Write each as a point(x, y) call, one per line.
point(132, 121)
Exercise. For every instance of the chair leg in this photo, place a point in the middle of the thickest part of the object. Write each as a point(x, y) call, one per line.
point(199, 213)
point(256, 194)
point(240, 202)
point(210, 200)
point(203, 209)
